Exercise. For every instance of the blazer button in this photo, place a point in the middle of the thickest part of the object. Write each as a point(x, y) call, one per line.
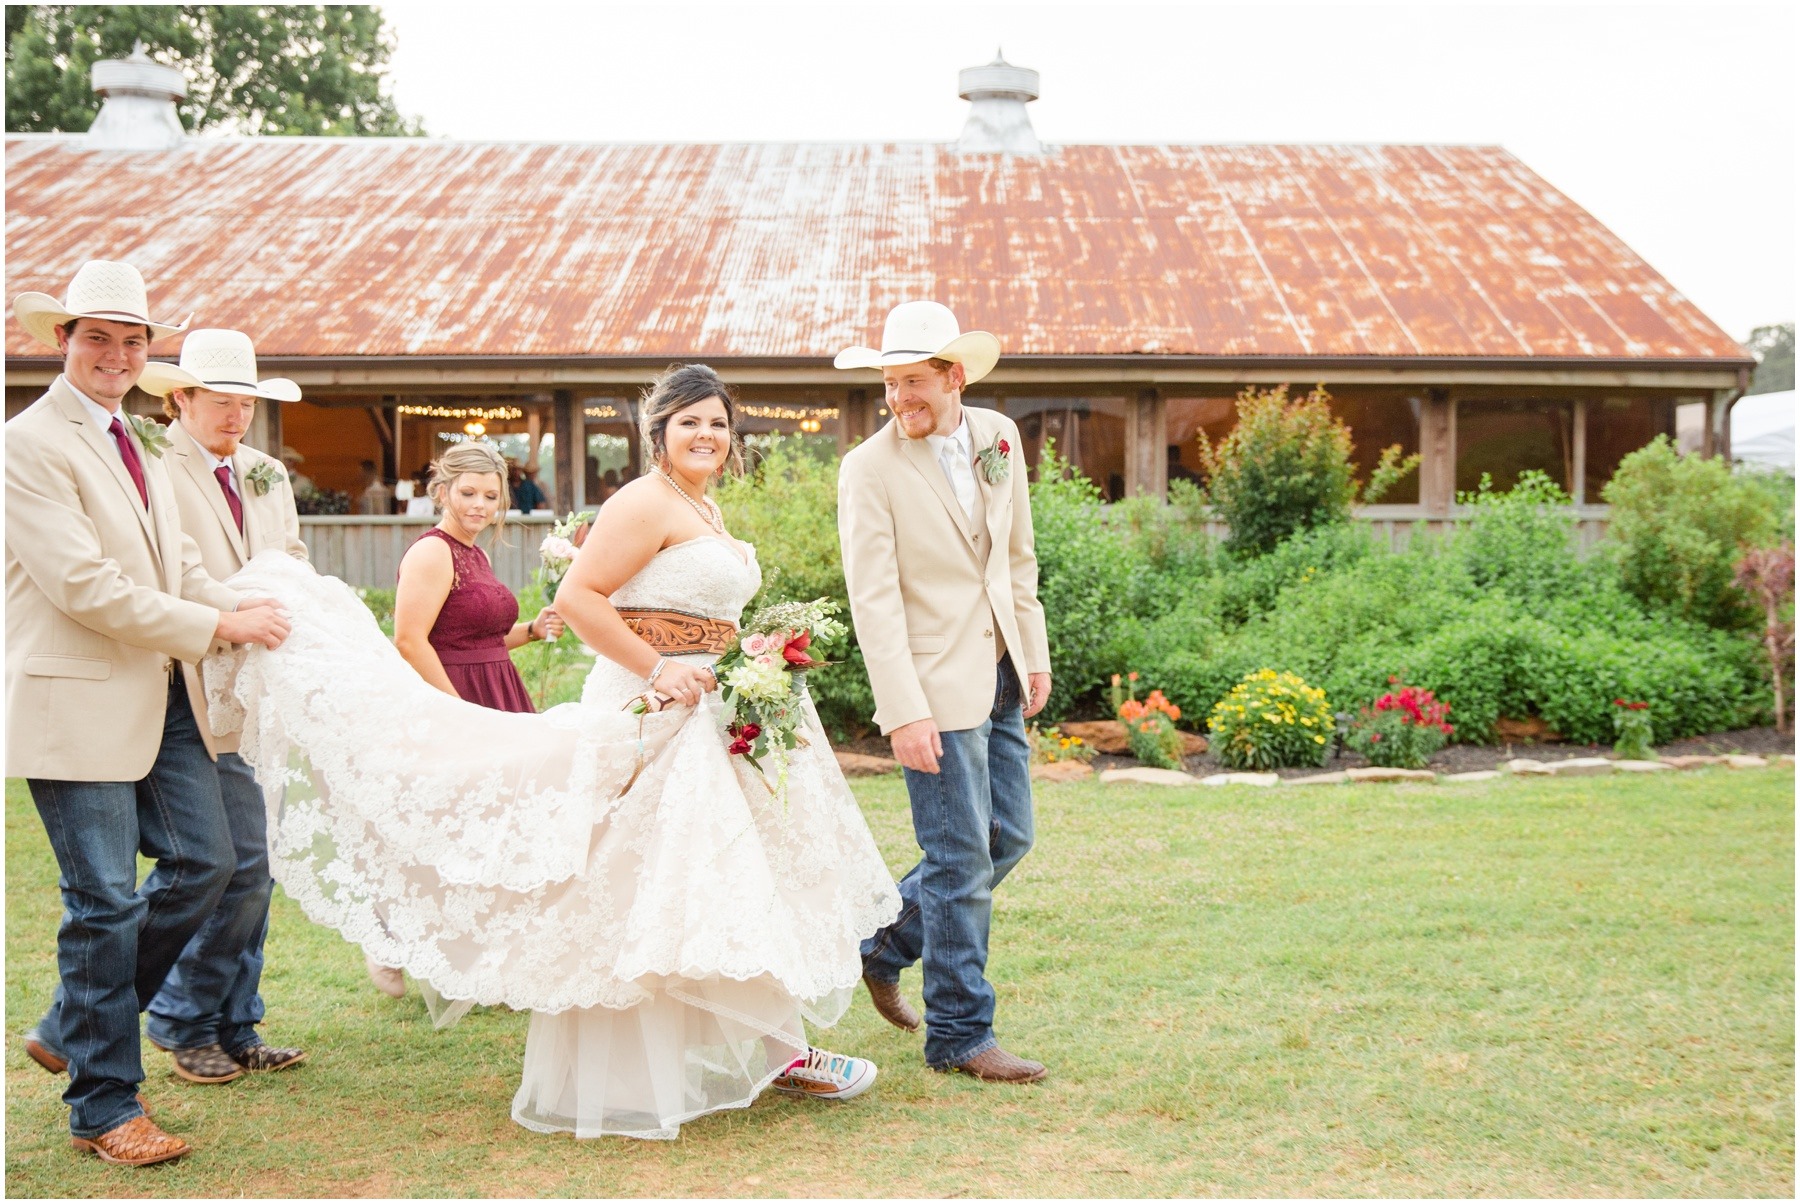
point(988, 634)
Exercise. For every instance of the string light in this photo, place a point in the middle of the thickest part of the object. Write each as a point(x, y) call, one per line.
point(474, 430)
point(601, 411)
point(478, 413)
point(791, 413)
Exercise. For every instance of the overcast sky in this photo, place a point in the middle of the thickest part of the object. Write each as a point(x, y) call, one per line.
point(1673, 124)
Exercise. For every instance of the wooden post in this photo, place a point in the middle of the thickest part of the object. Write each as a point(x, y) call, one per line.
point(1437, 452)
point(1578, 454)
point(857, 421)
point(565, 424)
point(265, 428)
point(1146, 445)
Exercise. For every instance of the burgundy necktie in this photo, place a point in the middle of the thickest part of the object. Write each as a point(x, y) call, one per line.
point(223, 472)
point(128, 452)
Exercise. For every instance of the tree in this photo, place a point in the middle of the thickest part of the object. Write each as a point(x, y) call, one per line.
point(1773, 347)
point(251, 69)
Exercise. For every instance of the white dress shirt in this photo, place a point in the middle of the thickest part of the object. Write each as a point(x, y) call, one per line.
point(957, 460)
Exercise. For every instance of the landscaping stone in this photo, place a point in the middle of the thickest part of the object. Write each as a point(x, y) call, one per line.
point(1148, 776)
point(1524, 766)
point(1642, 767)
point(1384, 773)
point(1062, 771)
point(1320, 779)
point(1242, 779)
point(1581, 767)
point(1479, 775)
point(1691, 762)
point(856, 765)
point(1741, 761)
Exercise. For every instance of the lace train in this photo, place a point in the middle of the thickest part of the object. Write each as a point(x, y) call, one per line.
point(622, 877)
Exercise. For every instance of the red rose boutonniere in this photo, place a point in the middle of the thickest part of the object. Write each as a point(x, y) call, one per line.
point(996, 460)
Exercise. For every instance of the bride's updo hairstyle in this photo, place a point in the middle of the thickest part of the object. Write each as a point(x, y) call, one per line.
point(473, 456)
point(674, 391)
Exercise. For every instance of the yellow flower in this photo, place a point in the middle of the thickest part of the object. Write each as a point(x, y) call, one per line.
point(1318, 739)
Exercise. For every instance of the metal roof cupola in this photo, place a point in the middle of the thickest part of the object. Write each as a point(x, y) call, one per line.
point(998, 123)
point(138, 99)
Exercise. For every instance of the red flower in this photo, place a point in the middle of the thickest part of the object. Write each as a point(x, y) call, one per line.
point(795, 652)
point(749, 731)
point(1005, 448)
point(739, 747)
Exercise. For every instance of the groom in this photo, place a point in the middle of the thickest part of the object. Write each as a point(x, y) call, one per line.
point(935, 525)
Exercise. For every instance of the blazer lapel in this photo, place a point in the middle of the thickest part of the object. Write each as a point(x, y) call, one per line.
point(918, 453)
point(241, 464)
point(193, 461)
point(108, 451)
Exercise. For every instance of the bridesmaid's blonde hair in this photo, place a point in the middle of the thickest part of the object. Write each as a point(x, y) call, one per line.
point(476, 457)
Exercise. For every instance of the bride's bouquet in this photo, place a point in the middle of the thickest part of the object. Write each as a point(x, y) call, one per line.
point(762, 681)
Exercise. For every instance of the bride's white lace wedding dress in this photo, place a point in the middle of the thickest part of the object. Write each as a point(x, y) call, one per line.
point(669, 924)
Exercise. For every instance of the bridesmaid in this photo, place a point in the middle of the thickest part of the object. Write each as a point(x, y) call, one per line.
point(454, 621)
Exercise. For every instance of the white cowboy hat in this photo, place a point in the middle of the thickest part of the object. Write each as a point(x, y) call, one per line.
point(220, 360)
point(924, 330)
point(103, 288)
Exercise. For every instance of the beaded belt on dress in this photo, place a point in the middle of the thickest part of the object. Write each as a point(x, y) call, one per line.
point(676, 633)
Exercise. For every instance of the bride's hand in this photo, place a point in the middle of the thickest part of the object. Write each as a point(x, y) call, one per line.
point(685, 683)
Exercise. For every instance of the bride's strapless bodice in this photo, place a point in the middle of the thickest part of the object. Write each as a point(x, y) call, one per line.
point(706, 577)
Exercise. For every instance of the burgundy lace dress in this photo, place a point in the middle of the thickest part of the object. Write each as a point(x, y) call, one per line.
point(470, 633)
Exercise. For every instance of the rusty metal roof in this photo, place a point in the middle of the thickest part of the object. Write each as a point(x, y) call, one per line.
point(388, 247)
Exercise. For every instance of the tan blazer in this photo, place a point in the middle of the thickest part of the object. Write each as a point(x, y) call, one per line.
point(100, 597)
point(932, 597)
point(270, 521)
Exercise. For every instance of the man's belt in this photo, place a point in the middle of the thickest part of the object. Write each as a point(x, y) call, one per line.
point(673, 633)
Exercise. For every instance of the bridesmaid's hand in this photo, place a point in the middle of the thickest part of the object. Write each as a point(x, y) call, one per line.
point(549, 623)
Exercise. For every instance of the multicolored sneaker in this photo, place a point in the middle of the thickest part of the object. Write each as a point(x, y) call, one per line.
point(825, 1075)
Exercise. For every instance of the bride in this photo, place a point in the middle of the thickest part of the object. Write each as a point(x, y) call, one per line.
point(670, 924)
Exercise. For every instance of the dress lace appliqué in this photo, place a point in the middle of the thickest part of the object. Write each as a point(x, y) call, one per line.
point(669, 935)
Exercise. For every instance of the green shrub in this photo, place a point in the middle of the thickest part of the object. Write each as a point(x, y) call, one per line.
point(1272, 720)
point(1520, 540)
point(1677, 525)
point(1086, 576)
point(381, 604)
point(787, 506)
point(1286, 468)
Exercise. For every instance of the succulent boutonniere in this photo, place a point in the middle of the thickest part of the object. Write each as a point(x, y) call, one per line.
point(263, 477)
point(995, 460)
point(151, 433)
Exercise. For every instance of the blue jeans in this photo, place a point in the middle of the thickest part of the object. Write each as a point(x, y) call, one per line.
point(973, 821)
point(116, 943)
point(211, 994)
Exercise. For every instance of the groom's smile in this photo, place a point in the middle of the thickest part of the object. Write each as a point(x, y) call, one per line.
point(924, 399)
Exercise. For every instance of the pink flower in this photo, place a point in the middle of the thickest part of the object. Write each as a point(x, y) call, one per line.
point(755, 644)
point(766, 660)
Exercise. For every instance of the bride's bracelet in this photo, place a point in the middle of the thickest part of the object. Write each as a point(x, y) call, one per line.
point(656, 672)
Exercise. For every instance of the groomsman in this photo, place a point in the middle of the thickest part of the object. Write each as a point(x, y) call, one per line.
point(105, 596)
point(235, 502)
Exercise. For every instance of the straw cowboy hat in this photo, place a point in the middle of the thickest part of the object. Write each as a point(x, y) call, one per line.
point(103, 288)
point(220, 360)
point(924, 330)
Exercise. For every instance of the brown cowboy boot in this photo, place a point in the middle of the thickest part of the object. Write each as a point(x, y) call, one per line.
point(891, 1004)
point(137, 1142)
point(995, 1065)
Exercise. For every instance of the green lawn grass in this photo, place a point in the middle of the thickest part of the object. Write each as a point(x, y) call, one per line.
point(1568, 987)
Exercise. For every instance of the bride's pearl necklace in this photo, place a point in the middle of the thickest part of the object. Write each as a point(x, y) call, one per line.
point(710, 513)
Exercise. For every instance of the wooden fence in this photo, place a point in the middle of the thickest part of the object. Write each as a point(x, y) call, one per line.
point(365, 550)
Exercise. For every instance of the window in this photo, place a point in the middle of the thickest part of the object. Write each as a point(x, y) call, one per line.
point(1505, 438)
point(1088, 432)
